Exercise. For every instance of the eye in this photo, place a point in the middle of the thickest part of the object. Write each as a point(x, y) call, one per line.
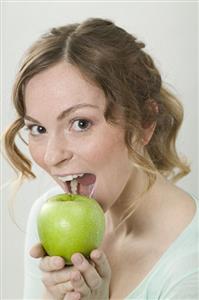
point(81, 125)
point(36, 130)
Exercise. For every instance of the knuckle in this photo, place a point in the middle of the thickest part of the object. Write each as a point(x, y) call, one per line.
point(75, 275)
point(78, 282)
point(45, 263)
point(85, 265)
point(68, 287)
point(96, 283)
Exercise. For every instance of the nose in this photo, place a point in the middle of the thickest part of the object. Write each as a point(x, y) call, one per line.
point(57, 151)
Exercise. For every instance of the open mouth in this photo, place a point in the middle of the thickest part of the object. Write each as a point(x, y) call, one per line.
point(82, 184)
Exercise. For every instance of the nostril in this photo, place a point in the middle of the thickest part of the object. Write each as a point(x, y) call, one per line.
point(57, 157)
point(57, 149)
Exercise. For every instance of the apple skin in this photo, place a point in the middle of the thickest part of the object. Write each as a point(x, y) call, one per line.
point(68, 224)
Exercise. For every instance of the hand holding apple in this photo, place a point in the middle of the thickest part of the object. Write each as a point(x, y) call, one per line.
point(83, 280)
point(69, 224)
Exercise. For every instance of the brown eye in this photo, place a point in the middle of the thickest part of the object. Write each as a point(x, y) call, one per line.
point(81, 125)
point(36, 130)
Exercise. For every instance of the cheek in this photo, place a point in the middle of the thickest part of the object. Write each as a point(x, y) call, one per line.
point(37, 154)
point(109, 159)
point(103, 149)
point(112, 149)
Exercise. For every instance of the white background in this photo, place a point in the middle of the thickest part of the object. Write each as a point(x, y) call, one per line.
point(169, 30)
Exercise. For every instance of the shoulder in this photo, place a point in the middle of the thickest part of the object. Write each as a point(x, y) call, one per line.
point(181, 278)
point(175, 275)
point(178, 267)
point(178, 214)
point(181, 227)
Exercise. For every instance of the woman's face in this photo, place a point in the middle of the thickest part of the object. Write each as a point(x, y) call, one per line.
point(68, 134)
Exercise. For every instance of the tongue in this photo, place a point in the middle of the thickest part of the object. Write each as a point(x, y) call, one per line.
point(87, 179)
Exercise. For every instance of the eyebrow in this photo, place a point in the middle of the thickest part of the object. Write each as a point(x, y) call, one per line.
point(66, 112)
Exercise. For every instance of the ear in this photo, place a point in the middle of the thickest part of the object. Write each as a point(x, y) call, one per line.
point(151, 110)
point(148, 133)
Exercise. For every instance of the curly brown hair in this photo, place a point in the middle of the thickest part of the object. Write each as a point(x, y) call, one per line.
point(114, 60)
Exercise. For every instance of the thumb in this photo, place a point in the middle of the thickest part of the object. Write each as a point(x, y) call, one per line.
point(37, 251)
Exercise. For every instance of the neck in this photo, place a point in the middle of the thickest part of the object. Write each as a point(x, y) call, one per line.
point(139, 204)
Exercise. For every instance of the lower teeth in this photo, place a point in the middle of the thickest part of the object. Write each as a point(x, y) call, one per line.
point(74, 188)
point(73, 185)
point(91, 190)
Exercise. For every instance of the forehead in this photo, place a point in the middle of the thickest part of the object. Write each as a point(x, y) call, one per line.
point(61, 85)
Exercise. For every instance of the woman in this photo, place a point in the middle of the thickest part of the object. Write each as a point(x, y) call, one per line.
point(94, 104)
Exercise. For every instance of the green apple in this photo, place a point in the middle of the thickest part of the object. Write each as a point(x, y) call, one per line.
point(68, 224)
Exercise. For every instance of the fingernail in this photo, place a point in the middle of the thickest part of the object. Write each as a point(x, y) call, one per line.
point(77, 260)
point(58, 262)
point(97, 255)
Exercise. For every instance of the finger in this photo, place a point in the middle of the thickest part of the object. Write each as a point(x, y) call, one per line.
point(101, 263)
point(88, 271)
point(79, 284)
point(56, 277)
point(60, 290)
point(72, 296)
point(51, 263)
point(37, 251)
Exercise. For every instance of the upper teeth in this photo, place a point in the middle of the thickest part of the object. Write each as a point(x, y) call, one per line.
point(70, 177)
